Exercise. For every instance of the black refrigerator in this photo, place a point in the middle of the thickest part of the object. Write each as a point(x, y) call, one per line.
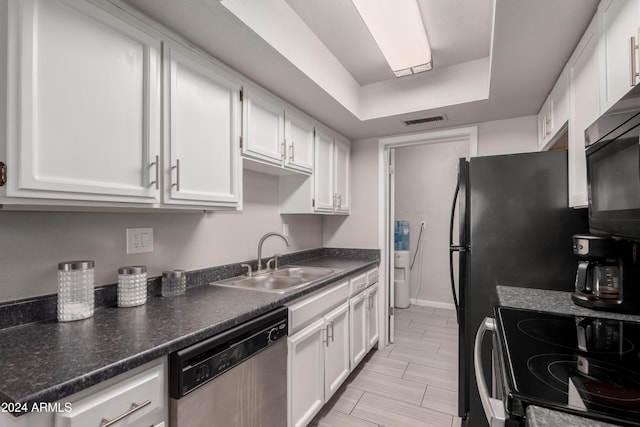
point(515, 229)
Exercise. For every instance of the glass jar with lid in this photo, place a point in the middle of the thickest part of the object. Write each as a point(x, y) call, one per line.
point(132, 286)
point(75, 290)
point(174, 282)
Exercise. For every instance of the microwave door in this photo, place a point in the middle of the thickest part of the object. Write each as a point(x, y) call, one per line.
point(613, 174)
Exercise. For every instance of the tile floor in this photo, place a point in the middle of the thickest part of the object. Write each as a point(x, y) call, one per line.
point(412, 382)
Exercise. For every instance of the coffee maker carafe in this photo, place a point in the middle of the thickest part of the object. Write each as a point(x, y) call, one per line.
point(600, 279)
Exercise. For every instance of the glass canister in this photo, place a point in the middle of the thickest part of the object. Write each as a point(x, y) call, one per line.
point(75, 290)
point(132, 286)
point(174, 282)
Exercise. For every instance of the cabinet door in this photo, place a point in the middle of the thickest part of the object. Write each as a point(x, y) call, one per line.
point(342, 178)
point(584, 109)
point(372, 317)
point(305, 391)
point(203, 164)
point(358, 328)
point(323, 172)
point(84, 111)
point(262, 127)
point(299, 135)
point(619, 22)
point(559, 102)
point(336, 362)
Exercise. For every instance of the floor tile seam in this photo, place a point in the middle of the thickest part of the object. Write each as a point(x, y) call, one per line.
point(454, 370)
point(386, 396)
point(400, 378)
point(359, 418)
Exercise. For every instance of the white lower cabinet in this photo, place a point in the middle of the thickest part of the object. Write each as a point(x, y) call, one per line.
point(306, 373)
point(136, 398)
point(373, 329)
point(330, 333)
point(336, 364)
point(318, 364)
point(364, 329)
point(358, 317)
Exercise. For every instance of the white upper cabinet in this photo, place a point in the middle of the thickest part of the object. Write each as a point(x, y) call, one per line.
point(262, 127)
point(83, 112)
point(299, 134)
point(324, 172)
point(620, 24)
point(342, 176)
point(202, 132)
point(584, 106)
point(332, 173)
point(276, 139)
point(328, 189)
point(555, 111)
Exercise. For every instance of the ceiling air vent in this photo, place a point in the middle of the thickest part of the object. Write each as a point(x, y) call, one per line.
point(425, 120)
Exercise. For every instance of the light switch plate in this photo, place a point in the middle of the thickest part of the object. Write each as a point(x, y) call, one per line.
point(139, 240)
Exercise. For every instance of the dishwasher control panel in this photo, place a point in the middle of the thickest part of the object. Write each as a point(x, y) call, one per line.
point(194, 366)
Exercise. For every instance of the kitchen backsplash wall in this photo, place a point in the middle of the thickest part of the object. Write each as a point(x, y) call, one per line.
point(34, 242)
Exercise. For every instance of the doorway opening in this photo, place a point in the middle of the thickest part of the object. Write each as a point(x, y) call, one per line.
point(422, 174)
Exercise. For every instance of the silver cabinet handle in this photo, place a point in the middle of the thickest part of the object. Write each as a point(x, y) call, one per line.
point(493, 408)
point(156, 181)
point(548, 126)
point(134, 407)
point(291, 152)
point(633, 72)
point(332, 331)
point(284, 149)
point(325, 338)
point(177, 168)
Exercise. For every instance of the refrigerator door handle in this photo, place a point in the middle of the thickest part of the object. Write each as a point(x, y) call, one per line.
point(454, 248)
point(493, 408)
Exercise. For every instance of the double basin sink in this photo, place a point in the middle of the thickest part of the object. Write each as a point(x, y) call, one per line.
point(281, 280)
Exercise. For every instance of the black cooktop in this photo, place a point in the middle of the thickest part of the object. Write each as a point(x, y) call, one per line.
point(585, 365)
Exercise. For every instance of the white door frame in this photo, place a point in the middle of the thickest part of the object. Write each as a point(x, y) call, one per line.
point(386, 196)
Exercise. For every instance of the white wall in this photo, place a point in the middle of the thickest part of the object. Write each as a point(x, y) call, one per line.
point(519, 135)
point(425, 180)
point(34, 242)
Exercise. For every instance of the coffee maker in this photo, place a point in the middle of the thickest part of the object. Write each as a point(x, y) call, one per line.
point(607, 276)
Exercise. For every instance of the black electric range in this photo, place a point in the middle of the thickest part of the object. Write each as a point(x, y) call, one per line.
point(583, 365)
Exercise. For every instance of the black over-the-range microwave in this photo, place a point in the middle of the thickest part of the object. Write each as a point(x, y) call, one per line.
point(613, 169)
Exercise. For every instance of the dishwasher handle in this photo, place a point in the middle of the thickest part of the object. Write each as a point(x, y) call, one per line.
point(493, 408)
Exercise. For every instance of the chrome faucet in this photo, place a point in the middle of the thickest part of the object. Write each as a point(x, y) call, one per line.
point(262, 239)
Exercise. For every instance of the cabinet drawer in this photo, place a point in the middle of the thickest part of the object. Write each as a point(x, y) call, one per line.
point(357, 283)
point(315, 306)
point(141, 397)
point(372, 276)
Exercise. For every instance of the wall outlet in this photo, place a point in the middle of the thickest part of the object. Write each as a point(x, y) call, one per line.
point(285, 229)
point(139, 240)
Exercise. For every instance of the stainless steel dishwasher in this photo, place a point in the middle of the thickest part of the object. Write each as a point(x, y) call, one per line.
point(236, 378)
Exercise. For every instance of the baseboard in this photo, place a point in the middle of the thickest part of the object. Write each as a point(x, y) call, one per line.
point(434, 304)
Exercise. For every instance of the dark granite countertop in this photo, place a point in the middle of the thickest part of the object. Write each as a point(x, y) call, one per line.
point(50, 360)
point(543, 417)
point(553, 302)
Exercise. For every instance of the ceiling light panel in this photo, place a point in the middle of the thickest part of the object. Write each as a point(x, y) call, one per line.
point(398, 30)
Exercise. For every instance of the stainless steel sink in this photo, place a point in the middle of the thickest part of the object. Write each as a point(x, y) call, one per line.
point(282, 280)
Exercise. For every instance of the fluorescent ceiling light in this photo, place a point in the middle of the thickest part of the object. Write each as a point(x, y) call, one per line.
point(397, 28)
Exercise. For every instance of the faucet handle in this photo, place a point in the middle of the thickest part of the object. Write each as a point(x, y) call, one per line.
point(248, 267)
point(273, 260)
